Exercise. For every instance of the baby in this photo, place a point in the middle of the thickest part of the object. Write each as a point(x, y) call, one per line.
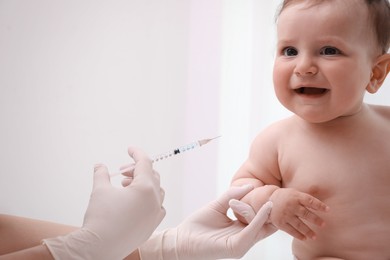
point(327, 168)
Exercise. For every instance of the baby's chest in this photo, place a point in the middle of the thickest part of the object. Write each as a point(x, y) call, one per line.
point(324, 170)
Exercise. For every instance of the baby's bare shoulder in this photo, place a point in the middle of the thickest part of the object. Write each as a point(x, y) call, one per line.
point(262, 160)
point(382, 111)
point(277, 129)
point(274, 134)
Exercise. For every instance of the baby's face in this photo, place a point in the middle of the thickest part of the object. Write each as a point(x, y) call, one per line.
point(325, 55)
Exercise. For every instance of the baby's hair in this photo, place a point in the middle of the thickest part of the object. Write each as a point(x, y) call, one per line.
point(379, 14)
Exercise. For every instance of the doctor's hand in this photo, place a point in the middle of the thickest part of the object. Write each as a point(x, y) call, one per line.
point(117, 220)
point(209, 233)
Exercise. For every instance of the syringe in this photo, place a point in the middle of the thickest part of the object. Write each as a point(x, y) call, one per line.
point(172, 153)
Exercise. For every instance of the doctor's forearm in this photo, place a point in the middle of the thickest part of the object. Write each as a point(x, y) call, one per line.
point(21, 238)
point(18, 233)
point(34, 253)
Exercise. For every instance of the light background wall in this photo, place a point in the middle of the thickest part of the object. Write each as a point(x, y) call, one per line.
point(81, 80)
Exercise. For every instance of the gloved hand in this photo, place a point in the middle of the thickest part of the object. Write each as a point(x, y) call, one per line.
point(209, 233)
point(117, 220)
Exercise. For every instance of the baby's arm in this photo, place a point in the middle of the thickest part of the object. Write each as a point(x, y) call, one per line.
point(261, 170)
point(291, 207)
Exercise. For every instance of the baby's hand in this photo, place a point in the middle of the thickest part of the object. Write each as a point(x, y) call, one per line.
point(290, 207)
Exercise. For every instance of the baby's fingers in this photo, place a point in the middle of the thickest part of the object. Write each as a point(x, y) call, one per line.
point(298, 229)
point(293, 232)
point(306, 214)
point(313, 203)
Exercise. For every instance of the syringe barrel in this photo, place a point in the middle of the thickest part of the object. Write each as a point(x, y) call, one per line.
point(176, 151)
point(173, 152)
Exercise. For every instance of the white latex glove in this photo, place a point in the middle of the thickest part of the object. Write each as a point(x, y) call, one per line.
point(243, 209)
point(117, 220)
point(209, 233)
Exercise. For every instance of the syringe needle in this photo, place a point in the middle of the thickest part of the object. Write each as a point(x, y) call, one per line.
point(171, 153)
point(205, 141)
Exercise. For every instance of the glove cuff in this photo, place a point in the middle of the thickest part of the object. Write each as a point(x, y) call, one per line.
point(80, 244)
point(160, 246)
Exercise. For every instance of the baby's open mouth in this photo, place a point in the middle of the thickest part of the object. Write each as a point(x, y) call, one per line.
point(311, 91)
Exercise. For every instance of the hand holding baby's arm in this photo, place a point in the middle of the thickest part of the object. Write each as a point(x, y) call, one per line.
point(291, 207)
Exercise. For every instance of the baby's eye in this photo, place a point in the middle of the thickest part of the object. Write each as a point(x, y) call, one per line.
point(290, 51)
point(329, 51)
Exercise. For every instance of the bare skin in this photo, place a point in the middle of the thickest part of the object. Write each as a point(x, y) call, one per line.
point(356, 192)
point(17, 233)
point(21, 238)
point(326, 169)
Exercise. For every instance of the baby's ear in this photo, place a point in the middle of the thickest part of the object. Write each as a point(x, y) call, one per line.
point(379, 73)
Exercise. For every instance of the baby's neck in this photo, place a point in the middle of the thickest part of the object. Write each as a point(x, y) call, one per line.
point(343, 122)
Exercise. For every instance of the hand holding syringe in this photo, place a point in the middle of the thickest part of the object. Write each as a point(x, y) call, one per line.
point(171, 153)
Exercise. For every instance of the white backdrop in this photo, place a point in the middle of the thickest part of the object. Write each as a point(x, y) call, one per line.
point(81, 80)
